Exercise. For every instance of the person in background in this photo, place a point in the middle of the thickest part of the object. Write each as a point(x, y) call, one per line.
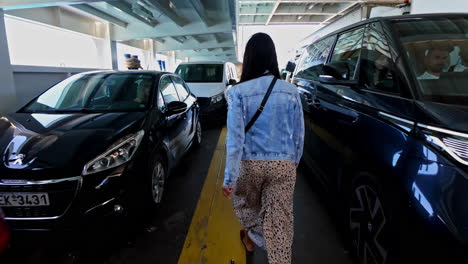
point(435, 61)
point(261, 163)
point(462, 65)
point(143, 91)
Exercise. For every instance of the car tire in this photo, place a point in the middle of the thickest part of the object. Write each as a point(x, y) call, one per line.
point(370, 222)
point(156, 181)
point(197, 137)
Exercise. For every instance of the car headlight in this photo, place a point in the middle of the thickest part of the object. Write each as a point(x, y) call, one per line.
point(217, 98)
point(452, 142)
point(119, 153)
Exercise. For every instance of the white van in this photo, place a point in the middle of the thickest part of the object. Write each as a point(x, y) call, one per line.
point(208, 81)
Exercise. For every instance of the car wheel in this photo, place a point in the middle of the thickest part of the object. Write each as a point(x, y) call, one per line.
point(198, 135)
point(369, 221)
point(158, 180)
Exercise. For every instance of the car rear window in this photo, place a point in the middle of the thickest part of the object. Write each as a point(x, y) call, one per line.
point(201, 72)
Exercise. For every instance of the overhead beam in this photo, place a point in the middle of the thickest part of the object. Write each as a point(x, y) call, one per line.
point(217, 38)
point(192, 46)
point(177, 39)
point(290, 14)
point(135, 31)
point(192, 53)
point(100, 14)
point(273, 12)
point(197, 39)
point(295, 1)
point(23, 4)
point(126, 8)
point(160, 40)
point(214, 58)
point(284, 23)
point(200, 11)
point(323, 1)
point(169, 13)
point(340, 13)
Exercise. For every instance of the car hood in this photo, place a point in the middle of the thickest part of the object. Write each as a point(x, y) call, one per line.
point(34, 142)
point(454, 117)
point(206, 89)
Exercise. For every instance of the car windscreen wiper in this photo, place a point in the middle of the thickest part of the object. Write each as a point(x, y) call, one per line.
point(65, 111)
point(85, 111)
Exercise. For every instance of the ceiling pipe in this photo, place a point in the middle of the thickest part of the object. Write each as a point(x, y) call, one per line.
point(324, 1)
point(200, 11)
point(100, 14)
point(126, 8)
point(168, 12)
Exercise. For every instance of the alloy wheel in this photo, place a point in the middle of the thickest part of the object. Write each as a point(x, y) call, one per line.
point(157, 182)
point(367, 225)
point(199, 133)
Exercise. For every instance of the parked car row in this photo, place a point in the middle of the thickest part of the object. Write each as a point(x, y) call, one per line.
point(95, 143)
point(386, 113)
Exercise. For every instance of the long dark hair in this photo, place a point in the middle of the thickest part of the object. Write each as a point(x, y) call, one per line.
point(259, 57)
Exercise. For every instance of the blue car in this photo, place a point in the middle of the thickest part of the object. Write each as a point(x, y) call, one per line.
point(386, 113)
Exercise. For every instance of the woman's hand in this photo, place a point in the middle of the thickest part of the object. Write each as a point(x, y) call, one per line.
point(227, 192)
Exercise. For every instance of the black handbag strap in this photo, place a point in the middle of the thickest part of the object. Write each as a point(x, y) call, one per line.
point(261, 107)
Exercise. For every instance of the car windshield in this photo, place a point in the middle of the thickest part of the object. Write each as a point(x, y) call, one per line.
point(437, 51)
point(102, 92)
point(200, 72)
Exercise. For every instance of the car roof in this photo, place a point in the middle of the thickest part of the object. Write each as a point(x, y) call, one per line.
point(156, 73)
point(393, 18)
point(204, 62)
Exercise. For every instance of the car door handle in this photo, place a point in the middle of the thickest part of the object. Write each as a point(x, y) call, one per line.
point(311, 100)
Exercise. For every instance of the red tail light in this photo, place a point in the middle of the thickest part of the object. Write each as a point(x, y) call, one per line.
point(4, 235)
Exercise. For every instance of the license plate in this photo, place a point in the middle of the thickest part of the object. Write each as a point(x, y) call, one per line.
point(24, 199)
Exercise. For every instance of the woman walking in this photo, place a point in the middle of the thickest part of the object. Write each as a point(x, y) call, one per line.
point(264, 145)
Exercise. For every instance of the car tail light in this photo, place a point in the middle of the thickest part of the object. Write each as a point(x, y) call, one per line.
point(4, 235)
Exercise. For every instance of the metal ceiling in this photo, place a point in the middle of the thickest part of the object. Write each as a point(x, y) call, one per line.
point(293, 12)
point(199, 29)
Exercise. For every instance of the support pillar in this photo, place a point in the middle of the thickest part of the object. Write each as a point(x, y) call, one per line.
point(7, 85)
point(115, 62)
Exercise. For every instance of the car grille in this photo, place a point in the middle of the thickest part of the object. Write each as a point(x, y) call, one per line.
point(203, 101)
point(61, 195)
point(459, 147)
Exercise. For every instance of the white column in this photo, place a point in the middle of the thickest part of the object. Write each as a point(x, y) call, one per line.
point(115, 62)
point(7, 85)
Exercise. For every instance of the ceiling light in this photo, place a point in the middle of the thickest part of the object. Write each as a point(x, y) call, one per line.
point(299, 17)
point(310, 6)
point(171, 5)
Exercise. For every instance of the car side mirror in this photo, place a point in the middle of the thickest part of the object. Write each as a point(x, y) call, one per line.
point(176, 107)
point(232, 82)
point(291, 66)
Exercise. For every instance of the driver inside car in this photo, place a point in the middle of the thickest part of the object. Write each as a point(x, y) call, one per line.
point(435, 61)
point(143, 92)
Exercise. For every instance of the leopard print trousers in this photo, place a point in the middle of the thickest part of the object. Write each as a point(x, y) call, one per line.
point(263, 202)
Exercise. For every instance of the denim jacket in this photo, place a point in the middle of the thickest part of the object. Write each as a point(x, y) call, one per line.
point(278, 133)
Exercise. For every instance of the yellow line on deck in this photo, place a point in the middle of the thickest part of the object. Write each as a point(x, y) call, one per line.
point(213, 237)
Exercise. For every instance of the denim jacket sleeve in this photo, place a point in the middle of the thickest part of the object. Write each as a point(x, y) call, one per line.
point(235, 137)
point(299, 129)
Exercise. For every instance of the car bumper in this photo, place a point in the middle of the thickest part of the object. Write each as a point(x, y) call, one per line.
point(73, 201)
point(210, 111)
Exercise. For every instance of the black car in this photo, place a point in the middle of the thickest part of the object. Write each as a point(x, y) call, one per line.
point(96, 143)
point(386, 113)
